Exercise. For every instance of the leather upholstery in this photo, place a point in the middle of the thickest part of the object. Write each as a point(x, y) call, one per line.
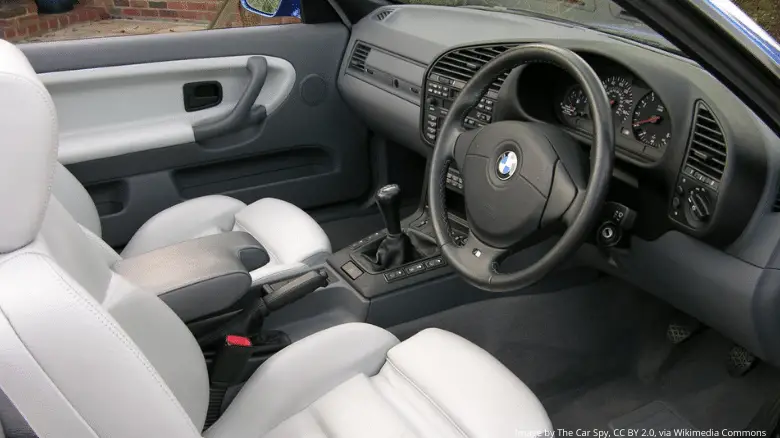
point(79, 335)
point(75, 198)
point(356, 380)
point(292, 238)
point(191, 219)
point(300, 374)
point(28, 123)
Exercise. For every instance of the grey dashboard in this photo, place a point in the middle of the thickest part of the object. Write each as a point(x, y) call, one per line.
point(398, 74)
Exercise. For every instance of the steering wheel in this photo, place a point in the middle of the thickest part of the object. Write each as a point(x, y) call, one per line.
point(520, 178)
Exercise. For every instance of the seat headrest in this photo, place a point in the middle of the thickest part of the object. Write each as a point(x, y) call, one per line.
point(28, 149)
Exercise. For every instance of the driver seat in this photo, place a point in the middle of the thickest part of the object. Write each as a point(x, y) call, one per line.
point(86, 353)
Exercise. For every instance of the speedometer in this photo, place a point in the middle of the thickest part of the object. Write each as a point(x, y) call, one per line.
point(620, 95)
point(651, 122)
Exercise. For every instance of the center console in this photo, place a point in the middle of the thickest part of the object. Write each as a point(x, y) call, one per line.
point(405, 253)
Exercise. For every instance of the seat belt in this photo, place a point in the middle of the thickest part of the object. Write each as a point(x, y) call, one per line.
point(228, 369)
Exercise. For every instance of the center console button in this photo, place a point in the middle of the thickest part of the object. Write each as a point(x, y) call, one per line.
point(352, 270)
point(434, 263)
point(415, 268)
point(395, 274)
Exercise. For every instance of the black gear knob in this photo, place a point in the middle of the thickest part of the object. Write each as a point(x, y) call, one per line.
point(388, 198)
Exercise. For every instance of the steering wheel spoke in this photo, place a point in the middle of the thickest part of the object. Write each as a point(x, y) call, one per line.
point(462, 143)
point(477, 258)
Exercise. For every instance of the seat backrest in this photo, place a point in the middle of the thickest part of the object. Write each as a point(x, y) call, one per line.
point(83, 352)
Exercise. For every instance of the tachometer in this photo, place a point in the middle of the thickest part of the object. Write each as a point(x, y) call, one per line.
point(620, 95)
point(575, 105)
point(651, 122)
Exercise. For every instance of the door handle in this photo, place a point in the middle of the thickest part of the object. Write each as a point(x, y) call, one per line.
point(201, 95)
point(242, 114)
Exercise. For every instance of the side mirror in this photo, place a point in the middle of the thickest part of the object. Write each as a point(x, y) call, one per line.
point(273, 8)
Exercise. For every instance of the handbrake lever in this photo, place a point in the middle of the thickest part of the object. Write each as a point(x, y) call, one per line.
point(250, 320)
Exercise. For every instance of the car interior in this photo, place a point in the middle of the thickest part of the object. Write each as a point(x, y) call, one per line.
point(425, 221)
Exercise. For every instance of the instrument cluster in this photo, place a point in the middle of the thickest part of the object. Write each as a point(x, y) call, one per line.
point(638, 112)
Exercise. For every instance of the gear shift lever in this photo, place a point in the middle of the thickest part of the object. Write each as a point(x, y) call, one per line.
point(388, 198)
point(397, 247)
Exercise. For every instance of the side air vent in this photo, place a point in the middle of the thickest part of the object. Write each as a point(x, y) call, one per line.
point(384, 13)
point(707, 148)
point(462, 64)
point(359, 56)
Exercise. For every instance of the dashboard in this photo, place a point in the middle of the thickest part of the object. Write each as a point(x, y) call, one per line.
point(698, 168)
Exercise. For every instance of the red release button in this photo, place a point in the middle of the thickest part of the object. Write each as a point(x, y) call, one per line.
point(238, 341)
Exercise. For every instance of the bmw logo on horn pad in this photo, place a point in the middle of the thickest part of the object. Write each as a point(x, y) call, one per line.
point(507, 164)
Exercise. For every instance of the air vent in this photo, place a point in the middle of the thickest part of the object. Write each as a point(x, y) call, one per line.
point(462, 64)
point(707, 148)
point(359, 56)
point(384, 13)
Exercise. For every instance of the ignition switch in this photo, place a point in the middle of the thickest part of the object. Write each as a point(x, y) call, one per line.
point(609, 234)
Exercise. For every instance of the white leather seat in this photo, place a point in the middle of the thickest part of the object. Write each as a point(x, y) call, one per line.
point(87, 353)
point(293, 239)
point(356, 381)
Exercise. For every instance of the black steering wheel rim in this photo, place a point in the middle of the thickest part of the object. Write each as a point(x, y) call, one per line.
point(477, 260)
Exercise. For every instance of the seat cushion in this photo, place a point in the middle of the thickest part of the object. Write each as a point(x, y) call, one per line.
point(191, 219)
point(355, 381)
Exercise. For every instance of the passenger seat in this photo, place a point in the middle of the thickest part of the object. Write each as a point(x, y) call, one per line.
point(293, 240)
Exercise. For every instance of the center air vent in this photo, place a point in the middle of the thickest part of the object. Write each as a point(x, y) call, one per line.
point(384, 13)
point(707, 145)
point(462, 64)
point(359, 56)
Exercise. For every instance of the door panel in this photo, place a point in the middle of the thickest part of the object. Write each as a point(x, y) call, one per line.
point(127, 137)
point(109, 111)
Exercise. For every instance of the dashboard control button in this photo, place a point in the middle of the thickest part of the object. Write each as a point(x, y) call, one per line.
point(430, 137)
point(679, 190)
point(676, 203)
point(432, 118)
point(430, 130)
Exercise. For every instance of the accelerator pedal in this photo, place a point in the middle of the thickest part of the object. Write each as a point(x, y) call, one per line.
point(740, 361)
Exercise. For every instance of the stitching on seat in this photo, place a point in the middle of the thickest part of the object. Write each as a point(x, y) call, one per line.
point(34, 359)
point(121, 337)
point(427, 397)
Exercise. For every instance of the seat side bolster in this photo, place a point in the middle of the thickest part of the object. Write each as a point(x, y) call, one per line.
point(452, 373)
point(75, 198)
point(300, 374)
